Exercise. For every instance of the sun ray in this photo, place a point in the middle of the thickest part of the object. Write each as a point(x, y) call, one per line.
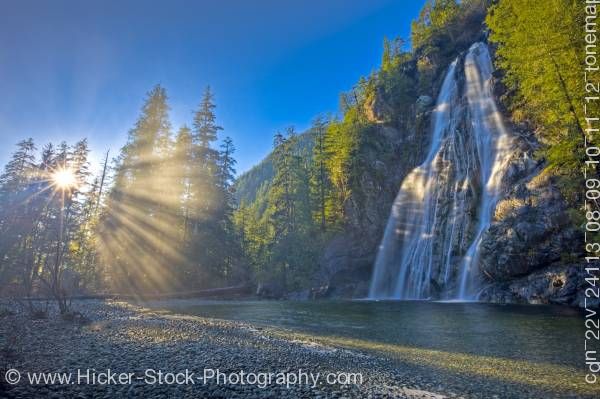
point(64, 179)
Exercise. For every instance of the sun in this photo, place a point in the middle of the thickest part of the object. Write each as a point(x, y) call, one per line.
point(64, 179)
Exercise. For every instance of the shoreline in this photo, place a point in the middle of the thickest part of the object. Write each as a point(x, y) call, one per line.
point(126, 337)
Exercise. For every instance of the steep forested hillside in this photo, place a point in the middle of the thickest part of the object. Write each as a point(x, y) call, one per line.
point(382, 132)
point(345, 185)
point(309, 218)
point(539, 51)
point(249, 184)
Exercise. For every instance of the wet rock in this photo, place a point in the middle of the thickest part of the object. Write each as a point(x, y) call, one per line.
point(558, 284)
point(532, 231)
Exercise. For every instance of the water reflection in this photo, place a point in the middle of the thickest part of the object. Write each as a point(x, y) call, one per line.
point(544, 334)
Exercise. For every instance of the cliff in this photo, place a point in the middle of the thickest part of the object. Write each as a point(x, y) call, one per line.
point(526, 255)
point(477, 208)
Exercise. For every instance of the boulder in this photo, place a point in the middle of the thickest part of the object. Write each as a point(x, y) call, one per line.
point(532, 230)
point(557, 284)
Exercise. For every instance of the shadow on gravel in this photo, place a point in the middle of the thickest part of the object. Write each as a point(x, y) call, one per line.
point(125, 338)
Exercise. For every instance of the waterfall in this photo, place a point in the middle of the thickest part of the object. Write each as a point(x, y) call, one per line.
point(493, 149)
point(431, 241)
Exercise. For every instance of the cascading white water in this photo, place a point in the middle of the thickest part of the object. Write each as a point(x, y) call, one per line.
point(493, 149)
point(431, 241)
point(405, 255)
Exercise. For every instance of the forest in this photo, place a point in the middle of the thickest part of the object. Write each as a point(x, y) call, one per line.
point(169, 214)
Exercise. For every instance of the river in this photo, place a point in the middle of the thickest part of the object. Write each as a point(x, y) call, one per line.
point(540, 334)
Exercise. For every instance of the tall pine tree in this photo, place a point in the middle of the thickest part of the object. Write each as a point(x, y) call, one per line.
point(139, 238)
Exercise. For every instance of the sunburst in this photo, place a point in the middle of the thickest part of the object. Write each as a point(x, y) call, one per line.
point(64, 179)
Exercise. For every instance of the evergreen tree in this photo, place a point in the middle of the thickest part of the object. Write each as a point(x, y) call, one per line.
point(320, 186)
point(15, 215)
point(288, 213)
point(183, 164)
point(139, 237)
point(205, 126)
point(539, 49)
point(63, 222)
point(231, 250)
point(40, 218)
point(280, 196)
point(205, 134)
point(214, 252)
point(18, 170)
point(83, 248)
point(205, 131)
point(226, 164)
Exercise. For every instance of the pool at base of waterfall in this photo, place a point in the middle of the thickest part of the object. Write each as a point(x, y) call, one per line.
point(541, 334)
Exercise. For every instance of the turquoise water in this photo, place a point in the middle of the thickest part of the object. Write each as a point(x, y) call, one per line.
point(546, 334)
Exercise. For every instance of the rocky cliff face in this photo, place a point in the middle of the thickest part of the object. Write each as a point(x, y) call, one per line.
point(526, 256)
point(347, 262)
point(530, 253)
point(531, 231)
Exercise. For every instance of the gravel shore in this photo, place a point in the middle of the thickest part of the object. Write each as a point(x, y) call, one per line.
point(126, 338)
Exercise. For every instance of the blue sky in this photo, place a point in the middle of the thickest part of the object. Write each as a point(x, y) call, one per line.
point(73, 69)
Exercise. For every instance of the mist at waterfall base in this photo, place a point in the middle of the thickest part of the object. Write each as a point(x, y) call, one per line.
point(430, 246)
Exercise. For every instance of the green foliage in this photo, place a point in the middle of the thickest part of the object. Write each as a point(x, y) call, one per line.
point(320, 183)
point(294, 201)
point(205, 127)
point(249, 184)
point(435, 20)
point(43, 218)
point(342, 141)
point(392, 88)
point(539, 48)
point(176, 218)
point(444, 29)
point(278, 232)
point(169, 216)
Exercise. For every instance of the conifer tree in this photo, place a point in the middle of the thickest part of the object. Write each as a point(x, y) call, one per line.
point(539, 50)
point(206, 133)
point(214, 250)
point(319, 172)
point(183, 164)
point(138, 233)
point(226, 163)
point(63, 222)
point(280, 195)
point(226, 178)
point(14, 216)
